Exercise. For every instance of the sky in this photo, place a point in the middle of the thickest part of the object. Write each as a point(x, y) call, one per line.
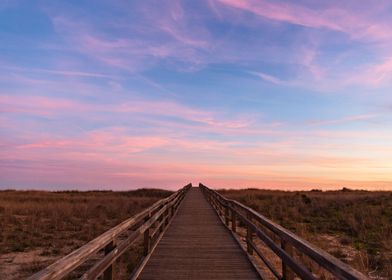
point(122, 94)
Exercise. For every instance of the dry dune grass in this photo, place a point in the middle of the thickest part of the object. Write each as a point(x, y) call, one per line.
point(38, 227)
point(355, 226)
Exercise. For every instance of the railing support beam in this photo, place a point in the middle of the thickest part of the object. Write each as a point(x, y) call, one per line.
point(147, 240)
point(249, 236)
point(227, 218)
point(108, 273)
point(233, 221)
point(287, 274)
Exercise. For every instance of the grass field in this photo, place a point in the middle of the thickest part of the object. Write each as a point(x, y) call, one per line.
point(38, 227)
point(355, 226)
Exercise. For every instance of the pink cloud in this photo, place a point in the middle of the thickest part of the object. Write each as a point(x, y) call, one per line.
point(58, 72)
point(114, 142)
point(131, 53)
point(169, 108)
point(368, 25)
point(174, 20)
point(269, 78)
point(294, 14)
point(349, 119)
point(353, 134)
point(47, 106)
point(359, 25)
point(36, 105)
point(374, 74)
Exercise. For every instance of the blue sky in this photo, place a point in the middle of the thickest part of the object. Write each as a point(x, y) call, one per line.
point(233, 93)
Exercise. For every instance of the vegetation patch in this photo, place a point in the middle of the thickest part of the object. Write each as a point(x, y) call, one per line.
point(361, 220)
point(38, 227)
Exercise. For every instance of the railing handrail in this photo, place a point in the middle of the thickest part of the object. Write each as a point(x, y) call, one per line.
point(335, 266)
point(70, 262)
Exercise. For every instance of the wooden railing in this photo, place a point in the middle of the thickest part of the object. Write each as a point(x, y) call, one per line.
point(150, 224)
point(279, 240)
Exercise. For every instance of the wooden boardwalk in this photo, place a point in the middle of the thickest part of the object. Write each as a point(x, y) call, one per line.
point(198, 246)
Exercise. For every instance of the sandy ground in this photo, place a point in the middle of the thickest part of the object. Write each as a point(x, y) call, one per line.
point(22, 264)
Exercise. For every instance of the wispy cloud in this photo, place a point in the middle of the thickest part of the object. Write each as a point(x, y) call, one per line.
point(344, 120)
point(40, 106)
point(59, 72)
point(368, 26)
point(166, 37)
point(358, 26)
point(291, 13)
point(48, 106)
point(268, 78)
point(375, 74)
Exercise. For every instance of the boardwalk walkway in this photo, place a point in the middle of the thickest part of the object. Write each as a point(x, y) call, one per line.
point(198, 246)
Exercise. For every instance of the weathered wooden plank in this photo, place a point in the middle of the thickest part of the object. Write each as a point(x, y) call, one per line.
point(197, 246)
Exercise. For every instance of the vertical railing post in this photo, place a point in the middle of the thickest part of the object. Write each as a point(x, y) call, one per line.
point(165, 220)
point(168, 215)
point(249, 235)
point(147, 239)
point(287, 274)
point(227, 215)
point(160, 221)
point(233, 220)
point(218, 206)
point(108, 273)
point(172, 211)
